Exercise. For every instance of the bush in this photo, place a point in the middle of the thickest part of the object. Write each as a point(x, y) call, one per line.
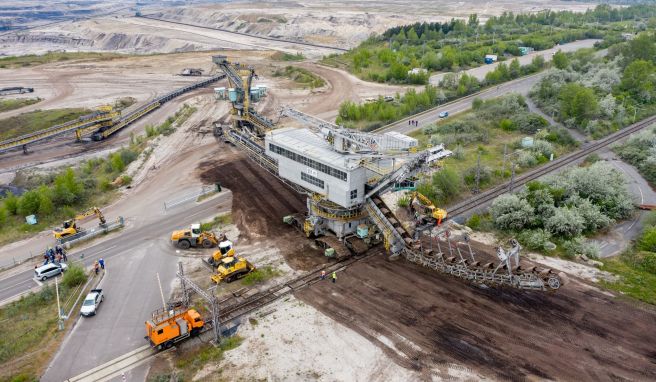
point(403, 201)
point(509, 212)
point(447, 184)
point(534, 239)
point(566, 222)
point(74, 276)
point(259, 275)
point(11, 203)
point(29, 203)
point(580, 246)
point(647, 241)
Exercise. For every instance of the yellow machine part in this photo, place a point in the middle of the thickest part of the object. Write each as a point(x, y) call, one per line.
point(232, 268)
point(437, 213)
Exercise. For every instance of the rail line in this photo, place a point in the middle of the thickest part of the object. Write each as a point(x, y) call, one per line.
point(151, 17)
point(482, 198)
point(98, 123)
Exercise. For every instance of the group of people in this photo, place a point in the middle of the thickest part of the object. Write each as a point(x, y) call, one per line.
point(55, 255)
point(333, 276)
point(98, 265)
point(413, 122)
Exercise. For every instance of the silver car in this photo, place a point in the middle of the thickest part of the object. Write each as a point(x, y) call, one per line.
point(49, 270)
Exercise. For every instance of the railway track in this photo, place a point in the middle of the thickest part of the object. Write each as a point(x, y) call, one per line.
point(482, 198)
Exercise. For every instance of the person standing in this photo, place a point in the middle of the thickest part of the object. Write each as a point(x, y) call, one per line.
point(323, 275)
point(64, 257)
point(96, 267)
point(102, 263)
point(334, 277)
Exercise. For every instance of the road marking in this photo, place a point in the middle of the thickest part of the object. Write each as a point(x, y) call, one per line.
point(99, 252)
point(197, 213)
point(22, 282)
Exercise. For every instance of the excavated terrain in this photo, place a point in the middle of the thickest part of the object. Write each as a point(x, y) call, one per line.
point(427, 321)
point(259, 202)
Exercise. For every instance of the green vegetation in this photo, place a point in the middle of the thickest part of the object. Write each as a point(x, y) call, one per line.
point(282, 56)
point(565, 207)
point(168, 127)
point(37, 120)
point(495, 127)
point(600, 95)
point(300, 76)
point(188, 363)
point(28, 335)
point(218, 221)
point(59, 196)
point(639, 152)
point(636, 267)
point(74, 276)
point(12, 104)
point(260, 275)
point(33, 59)
point(460, 44)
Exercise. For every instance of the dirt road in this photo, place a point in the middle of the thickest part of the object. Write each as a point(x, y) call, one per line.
point(259, 202)
point(426, 321)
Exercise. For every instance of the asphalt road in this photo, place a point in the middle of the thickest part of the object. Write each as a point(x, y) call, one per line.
point(521, 85)
point(132, 258)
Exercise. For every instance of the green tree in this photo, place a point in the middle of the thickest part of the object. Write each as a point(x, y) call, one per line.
point(560, 60)
point(11, 203)
point(117, 162)
point(29, 203)
point(447, 183)
point(68, 189)
point(4, 214)
point(46, 206)
point(514, 70)
point(642, 48)
point(578, 102)
point(639, 79)
point(412, 35)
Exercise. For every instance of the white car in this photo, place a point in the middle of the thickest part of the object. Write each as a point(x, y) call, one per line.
point(91, 302)
point(49, 270)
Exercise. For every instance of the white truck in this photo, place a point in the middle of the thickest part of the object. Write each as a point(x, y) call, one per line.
point(91, 302)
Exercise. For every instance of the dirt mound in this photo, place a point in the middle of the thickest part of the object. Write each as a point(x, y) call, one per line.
point(425, 320)
point(259, 202)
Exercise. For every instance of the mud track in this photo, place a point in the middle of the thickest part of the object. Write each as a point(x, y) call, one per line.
point(427, 321)
point(259, 202)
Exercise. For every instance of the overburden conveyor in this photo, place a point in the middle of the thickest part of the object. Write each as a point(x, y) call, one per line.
point(101, 124)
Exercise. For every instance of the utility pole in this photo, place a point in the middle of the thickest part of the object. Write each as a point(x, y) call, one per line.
point(478, 174)
point(512, 177)
point(505, 153)
point(60, 322)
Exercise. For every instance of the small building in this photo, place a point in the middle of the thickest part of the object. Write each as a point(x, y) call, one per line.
point(524, 50)
point(417, 71)
point(220, 93)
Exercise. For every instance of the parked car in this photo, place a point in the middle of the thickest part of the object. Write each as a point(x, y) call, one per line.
point(443, 114)
point(49, 270)
point(91, 302)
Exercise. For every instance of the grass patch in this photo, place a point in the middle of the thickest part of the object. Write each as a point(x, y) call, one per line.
point(633, 282)
point(168, 127)
point(218, 221)
point(13, 104)
point(189, 363)
point(34, 59)
point(37, 120)
point(300, 76)
point(260, 275)
point(282, 56)
point(29, 335)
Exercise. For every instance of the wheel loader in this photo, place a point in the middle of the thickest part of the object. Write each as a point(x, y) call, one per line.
point(194, 237)
point(225, 250)
point(231, 269)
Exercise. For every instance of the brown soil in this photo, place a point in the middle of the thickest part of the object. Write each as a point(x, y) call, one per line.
point(577, 334)
point(259, 202)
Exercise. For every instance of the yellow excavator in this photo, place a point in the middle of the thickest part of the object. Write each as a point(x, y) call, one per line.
point(69, 227)
point(232, 268)
point(425, 210)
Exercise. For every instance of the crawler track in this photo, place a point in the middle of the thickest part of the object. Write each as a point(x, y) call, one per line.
point(480, 199)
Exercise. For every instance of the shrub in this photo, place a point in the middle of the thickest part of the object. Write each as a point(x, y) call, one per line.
point(647, 241)
point(535, 239)
point(29, 203)
point(11, 203)
point(447, 182)
point(459, 152)
point(403, 201)
point(565, 222)
point(580, 246)
point(74, 276)
point(509, 212)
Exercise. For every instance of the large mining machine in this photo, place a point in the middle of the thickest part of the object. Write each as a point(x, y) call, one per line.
point(244, 117)
point(69, 227)
point(370, 164)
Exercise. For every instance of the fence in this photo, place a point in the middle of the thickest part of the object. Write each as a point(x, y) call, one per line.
point(192, 196)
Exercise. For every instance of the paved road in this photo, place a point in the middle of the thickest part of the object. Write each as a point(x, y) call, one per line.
point(481, 71)
point(131, 294)
point(520, 85)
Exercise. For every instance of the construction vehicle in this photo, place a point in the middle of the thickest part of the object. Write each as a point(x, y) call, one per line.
point(231, 269)
point(191, 72)
point(69, 227)
point(225, 250)
point(168, 326)
point(194, 237)
point(425, 211)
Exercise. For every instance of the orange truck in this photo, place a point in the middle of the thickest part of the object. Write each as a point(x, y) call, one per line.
point(166, 327)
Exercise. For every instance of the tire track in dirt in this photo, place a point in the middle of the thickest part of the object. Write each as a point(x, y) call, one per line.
point(425, 320)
